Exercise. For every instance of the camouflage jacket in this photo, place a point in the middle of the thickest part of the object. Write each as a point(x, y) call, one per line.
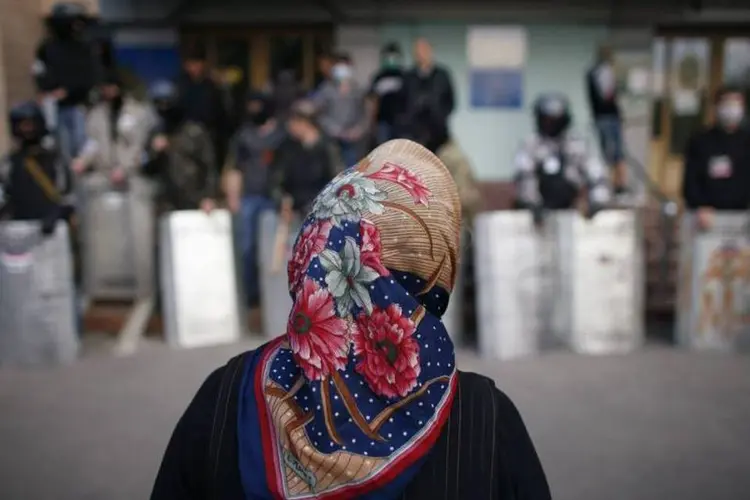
point(186, 171)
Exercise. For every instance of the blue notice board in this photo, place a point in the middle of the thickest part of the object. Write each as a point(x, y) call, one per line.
point(496, 88)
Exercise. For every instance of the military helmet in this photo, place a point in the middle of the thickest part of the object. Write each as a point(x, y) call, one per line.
point(552, 114)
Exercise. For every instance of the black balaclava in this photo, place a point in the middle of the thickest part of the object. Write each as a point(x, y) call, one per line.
point(166, 101)
point(262, 115)
point(67, 20)
point(28, 112)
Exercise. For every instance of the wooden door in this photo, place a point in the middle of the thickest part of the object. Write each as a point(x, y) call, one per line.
point(261, 53)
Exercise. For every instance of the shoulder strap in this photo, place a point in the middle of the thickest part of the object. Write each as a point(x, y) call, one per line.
point(229, 383)
point(42, 180)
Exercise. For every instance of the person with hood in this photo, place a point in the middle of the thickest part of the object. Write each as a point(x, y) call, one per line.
point(341, 108)
point(117, 129)
point(554, 166)
point(202, 101)
point(388, 91)
point(429, 98)
point(361, 396)
point(249, 181)
point(66, 70)
point(35, 183)
point(179, 154)
point(717, 161)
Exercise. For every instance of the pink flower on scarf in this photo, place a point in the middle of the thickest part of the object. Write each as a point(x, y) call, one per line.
point(405, 178)
point(387, 351)
point(371, 248)
point(318, 337)
point(311, 242)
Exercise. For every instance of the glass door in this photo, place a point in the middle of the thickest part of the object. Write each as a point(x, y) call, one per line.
point(736, 71)
point(232, 71)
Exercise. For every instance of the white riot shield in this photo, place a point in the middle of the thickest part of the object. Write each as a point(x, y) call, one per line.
point(200, 300)
point(118, 241)
point(37, 296)
point(599, 280)
point(511, 285)
point(274, 283)
point(713, 307)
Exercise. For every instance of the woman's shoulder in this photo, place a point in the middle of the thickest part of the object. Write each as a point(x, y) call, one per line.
point(221, 381)
point(475, 389)
point(478, 395)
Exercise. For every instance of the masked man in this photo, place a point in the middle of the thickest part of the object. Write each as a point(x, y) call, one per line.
point(117, 129)
point(180, 155)
point(553, 167)
point(342, 111)
point(248, 181)
point(388, 91)
point(66, 70)
point(35, 184)
point(717, 161)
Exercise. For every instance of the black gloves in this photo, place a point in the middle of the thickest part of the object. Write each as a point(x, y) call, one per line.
point(593, 209)
point(48, 225)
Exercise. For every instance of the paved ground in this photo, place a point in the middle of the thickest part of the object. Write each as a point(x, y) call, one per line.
point(660, 424)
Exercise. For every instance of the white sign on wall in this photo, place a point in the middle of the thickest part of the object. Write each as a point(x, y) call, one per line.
point(497, 59)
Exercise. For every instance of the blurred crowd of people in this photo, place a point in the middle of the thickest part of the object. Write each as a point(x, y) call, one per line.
point(198, 146)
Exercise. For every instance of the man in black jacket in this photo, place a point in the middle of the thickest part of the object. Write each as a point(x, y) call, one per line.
point(429, 99)
point(201, 101)
point(34, 183)
point(717, 161)
point(388, 90)
point(66, 70)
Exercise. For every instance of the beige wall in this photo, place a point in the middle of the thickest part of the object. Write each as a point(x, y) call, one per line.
point(21, 28)
point(3, 99)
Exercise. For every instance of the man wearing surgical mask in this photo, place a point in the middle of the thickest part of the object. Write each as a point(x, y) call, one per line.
point(717, 162)
point(388, 92)
point(342, 111)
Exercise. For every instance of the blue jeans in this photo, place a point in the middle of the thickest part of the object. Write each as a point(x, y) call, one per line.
point(71, 130)
point(610, 138)
point(349, 153)
point(250, 210)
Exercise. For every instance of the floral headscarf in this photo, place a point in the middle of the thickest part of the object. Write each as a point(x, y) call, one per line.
point(350, 400)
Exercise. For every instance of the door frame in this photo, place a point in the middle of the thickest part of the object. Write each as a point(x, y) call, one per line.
point(259, 42)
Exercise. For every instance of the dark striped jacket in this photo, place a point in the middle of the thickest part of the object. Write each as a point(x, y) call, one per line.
point(484, 452)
